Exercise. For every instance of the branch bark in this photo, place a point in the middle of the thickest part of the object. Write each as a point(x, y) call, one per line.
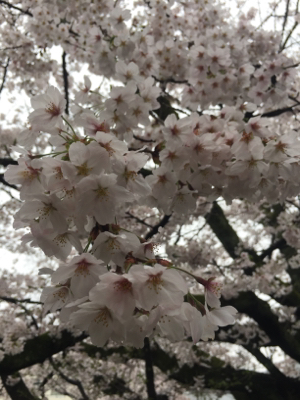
point(18, 391)
point(9, 5)
point(66, 81)
point(7, 161)
point(243, 384)
point(4, 75)
point(156, 227)
point(38, 350)
point(222, 229)
point(149, 371)
point(260, 311)
point(4, 182)
point(74, 382)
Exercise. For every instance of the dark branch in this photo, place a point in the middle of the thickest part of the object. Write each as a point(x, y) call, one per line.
point(27, 312)
point(242, 384)
point(2, 180)
point(245, 385)
point(18, 391)
point(288, 37)
point(260, 311)
point(74, 382)
point(171, 80)
point(280, 244)
point(149, 371)
point(17, 301)
point(141, 221)
point(37, 350)
point(156, 227)
point(4, 75)
point(7, 161)
point(276, 113)
point(266, 362)
point(44, 382)
point(66, 81)
point(6, 3)
point(285, 17)
point(222, 229)
point(143, 140)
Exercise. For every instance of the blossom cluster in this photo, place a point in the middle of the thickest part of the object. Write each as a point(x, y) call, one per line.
point(192, 46)
point(224, 156)
point(73, 197)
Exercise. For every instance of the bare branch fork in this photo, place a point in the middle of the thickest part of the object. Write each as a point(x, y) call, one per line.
point(74, 382)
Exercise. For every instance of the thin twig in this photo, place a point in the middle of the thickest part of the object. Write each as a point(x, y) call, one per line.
point(276, 113)
point(141, 221)
point(288, 36)
point(156, 227)
point(171, 80)
point(144, 140)
point(285, 16)
point(178, 236)
point(4, 182)
point(66, 81)
point(4, 75)
point(74, 382)
point(17, 301)
point(9, 5)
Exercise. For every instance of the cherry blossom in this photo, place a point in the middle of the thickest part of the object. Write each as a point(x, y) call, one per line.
point(181, 122)
point(157, 285)
point(48, 109)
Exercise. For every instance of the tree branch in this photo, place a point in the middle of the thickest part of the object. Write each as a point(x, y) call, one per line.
point(141, 221)
point(9, 5)
point(156, 227)
point(260, 311)
point(18, 391)
point(37, 350)
point(276, 113)
point(285, 17)
point(4, 75)
point(266, 362)
point(17, 301)
point(7, 161)
point(149, 370)
point(74, 382)
point(243, 384)
point(4, 182)
point(222, 229)
point(288, 36)
point(66, 81)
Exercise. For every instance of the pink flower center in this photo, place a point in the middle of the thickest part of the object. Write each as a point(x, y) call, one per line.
point(123, 285)
point(83, 169)
point(102, 193)
point(103, 317)
point(53, 110)
point(214, 287)
point(82, 269)
point(155, 282)
point(61, 294)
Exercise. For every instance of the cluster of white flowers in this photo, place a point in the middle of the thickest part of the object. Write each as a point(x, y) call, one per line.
point(192, 44)
point(224, 156)
point(73, 197)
